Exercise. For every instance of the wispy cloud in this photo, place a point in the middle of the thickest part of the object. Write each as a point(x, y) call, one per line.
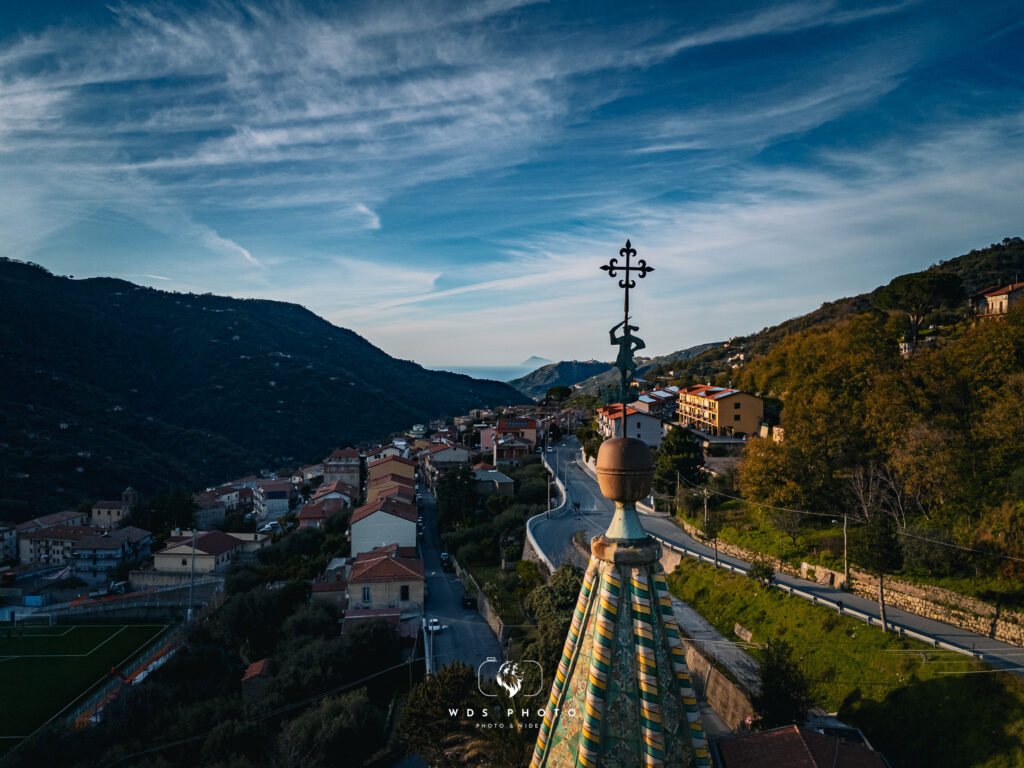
point(407, 168)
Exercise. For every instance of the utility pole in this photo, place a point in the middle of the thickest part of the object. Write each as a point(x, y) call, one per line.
point(846, 561)
point(192, 576)
point(704, 491)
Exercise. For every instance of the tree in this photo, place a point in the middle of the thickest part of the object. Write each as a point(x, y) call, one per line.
point(426, 725)
point(679, 457)
point(456, 496)
point(558, 394)
point(878, 552)
point(784, 696)
point(762, 570)
point(919, 294)
point(345, 725)
point(712, 527)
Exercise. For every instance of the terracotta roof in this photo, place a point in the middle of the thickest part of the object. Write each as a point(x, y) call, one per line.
point(55, 519)
point(64, 532)
point(405, 493)
point(107, 505)
point(483, 465)
point(210, 543)
point(399, 459)
point(344, 453)
point(1004, 289)
point(392, 480)
point(335, 487)
point(256, 669)
point(275, 485)
point(383, 564)
point(388, 504)
point(795, 747)
point(320, 510)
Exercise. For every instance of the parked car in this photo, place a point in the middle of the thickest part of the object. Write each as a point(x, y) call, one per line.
point(468, 601)
point(446, 562)
point(433, 625)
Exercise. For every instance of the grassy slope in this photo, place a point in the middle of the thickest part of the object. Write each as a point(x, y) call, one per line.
point(917, 705)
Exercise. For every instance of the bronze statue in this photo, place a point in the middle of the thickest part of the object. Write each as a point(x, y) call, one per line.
point(628, 344)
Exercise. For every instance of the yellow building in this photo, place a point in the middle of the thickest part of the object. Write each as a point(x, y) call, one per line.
point(392, 465)
point(720, 411)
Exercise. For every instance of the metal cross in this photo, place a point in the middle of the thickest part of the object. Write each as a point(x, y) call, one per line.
point(640, 268)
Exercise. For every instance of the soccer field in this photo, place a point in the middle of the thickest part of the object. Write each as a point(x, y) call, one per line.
point(44, 669)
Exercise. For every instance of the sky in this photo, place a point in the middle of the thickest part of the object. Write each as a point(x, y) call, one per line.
point(447, 178)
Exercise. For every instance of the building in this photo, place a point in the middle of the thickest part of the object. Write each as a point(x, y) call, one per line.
point(386, 521)
point(332, 586)
point(387, 577)
point(272, 498)
point(336, 490)
point(639, 425)
point(205, 552)
point(509, 449)
point(94, 555)
point(311, 473)
point(107, 514)
point(660, 403)
point(344, 465)
point(441, 457)
point(210, 510)
point(315, 513)
point(996, 302)
point(24, 549)
point(88, 550)
point(796, 747)
point(375, 488)
point(720, 411)
point(382, 452)
point(251, 542)
point(492, 481)
point(525, 428)
point(391, 465)
point(8, 543)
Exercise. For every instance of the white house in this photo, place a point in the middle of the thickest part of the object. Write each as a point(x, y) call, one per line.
point(639, 425)
point(385, 521)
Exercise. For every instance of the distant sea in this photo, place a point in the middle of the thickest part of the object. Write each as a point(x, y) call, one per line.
point(496, 372)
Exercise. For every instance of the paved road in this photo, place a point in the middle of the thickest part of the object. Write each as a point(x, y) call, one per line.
point(466, 637)
point(554, 537)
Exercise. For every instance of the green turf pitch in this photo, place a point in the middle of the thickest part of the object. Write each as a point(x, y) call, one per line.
point(46, 668)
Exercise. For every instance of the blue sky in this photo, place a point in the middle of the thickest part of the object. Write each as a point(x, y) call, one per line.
point(446, 178)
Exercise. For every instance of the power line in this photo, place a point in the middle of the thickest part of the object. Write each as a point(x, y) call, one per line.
point(272, 713)
point(856, 521)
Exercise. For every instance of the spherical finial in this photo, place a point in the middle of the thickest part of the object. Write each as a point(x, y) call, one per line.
point(624, 469)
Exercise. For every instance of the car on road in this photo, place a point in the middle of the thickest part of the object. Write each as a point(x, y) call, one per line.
point(433, 625)
point(446, 562)
point(468, 601)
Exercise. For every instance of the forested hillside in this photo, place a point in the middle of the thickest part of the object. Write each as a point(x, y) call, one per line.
point(107, 384)
point(935, 439)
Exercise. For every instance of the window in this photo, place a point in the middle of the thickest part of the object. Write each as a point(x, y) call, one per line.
point(736, 405)
point(405, 592)
point(184, 561)
point(366, 594)
point(736, 417)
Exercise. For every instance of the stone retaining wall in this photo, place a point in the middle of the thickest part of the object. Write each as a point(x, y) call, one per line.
point(729, 700)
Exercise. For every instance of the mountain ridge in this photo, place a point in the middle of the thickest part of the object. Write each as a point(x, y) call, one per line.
point(110, 384)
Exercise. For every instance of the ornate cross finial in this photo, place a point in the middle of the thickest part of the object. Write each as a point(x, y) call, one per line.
point(640, 268)
point(627, 343)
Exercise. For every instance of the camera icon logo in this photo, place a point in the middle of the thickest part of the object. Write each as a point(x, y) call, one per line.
point(510, 676)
